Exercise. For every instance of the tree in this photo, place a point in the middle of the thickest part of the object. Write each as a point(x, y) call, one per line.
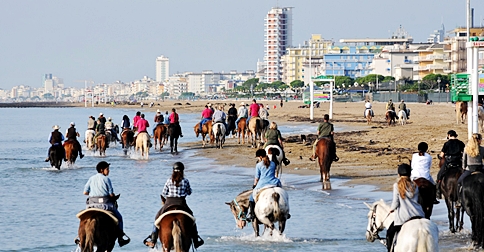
point(48, 96)
point(297, 84)
point(339, 80)
point(249, 82)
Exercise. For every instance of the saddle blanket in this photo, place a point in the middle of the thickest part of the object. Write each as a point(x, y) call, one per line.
point(82, 212)
point(157, 221)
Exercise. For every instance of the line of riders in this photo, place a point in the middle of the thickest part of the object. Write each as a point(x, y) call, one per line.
point(389, 107)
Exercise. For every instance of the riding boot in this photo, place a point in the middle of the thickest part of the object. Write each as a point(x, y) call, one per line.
point(152, 239)
point(197, 240)
point(121, 240)
point(438, 193)
point(251, 214)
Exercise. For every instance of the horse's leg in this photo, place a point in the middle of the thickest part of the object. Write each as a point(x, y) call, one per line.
point(255, 225)
point(282, 225)
point(450, 214)
point(176, 145)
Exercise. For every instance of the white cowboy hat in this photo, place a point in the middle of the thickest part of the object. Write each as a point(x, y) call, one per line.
point(158, 111)
point(56, 127)
point(109, 118)
point(73, 123)
point(242, 103)
point(101, 114)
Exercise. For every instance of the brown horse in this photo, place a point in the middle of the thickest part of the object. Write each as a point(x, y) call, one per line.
point(324, 152)
point(127, 139)
point(461, 111)
point(242, 129)
point(426, 195)
point(175, 227)
point(160, 133)
point(256, 130)
point(71, 151)
point(448, 187)
point(206, 130)
point(390, 117)
point(368, 115)
point(101, 144)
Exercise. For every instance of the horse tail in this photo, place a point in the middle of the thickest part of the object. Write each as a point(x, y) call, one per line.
point(177, 236)
point(89, 240)
point(276, 212)
point(422, 243)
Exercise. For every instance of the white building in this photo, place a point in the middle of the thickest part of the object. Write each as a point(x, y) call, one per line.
point(277, 38)
point(162, 68)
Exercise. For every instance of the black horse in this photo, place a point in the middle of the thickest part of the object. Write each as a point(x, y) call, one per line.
point(56, 155)
point(174, 132)
point(473, 202)
point(426, 195)
point(448, 187)
point(231, 125)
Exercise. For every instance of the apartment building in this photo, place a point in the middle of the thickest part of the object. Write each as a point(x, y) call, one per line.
point(162, 69)
point(396, 61)
point(430, 61)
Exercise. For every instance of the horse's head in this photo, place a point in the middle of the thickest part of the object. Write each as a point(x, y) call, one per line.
point(239, 208)
point(197, 129)
point(378, 214)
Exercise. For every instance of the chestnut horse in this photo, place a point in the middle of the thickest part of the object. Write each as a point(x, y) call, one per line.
point(325, 148)
point(160, 133)
point(461, 111)
point(98, 228)
point(101, 144)
point(206, 130)
point(426, 195)
point(448, 187)
point(390, 117)
point(175, 227)
point(71, 151)
point(242, 129)
point(257, 128)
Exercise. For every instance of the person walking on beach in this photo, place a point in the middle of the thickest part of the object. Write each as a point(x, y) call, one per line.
point(282, 103)
point(325, 130)
point(72, 134)
point(452, 152)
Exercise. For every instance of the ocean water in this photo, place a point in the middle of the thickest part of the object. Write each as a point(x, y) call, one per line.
point(39, 203)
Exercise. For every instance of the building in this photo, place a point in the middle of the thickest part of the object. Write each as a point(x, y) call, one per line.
point(438, 36)
point(277, 38)
point(162, 69)
point(48, 84)
point(209, 82)
point(455, 48)
point(397, 61)
point(431, 60)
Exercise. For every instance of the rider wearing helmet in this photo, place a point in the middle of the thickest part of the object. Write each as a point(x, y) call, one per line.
point(176, 188)
point(273, 137)
point(72, 134)
point(100, 191)
point(452, 152)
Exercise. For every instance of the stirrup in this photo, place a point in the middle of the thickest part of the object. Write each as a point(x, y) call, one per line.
point(149, 243)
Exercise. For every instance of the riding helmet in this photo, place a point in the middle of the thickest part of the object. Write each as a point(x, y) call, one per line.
point(404, 170)
point(178, 166)
point(452, 133)
point(102, 165)
point(260, 153)
point(423, 147)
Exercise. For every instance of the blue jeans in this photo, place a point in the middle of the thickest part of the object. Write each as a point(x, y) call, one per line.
point(120, 218)
point(237, 121)
point(203, 121)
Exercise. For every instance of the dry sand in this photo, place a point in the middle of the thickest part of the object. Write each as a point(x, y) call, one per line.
point(368, 155)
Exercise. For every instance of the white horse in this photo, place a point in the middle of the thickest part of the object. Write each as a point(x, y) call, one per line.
point(402, 117)
point(142, 144)
point(218, 130)
point(369, 115)
point(418, 235)
point(272, 205)
point(275, 149)
point(89, 139)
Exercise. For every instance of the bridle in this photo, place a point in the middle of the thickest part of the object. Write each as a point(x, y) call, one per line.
point(374, 228)
point(241, 214)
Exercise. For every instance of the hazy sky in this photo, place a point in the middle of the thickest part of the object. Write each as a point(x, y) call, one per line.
point(114, 40)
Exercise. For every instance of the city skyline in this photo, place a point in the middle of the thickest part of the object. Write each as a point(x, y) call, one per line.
point(119, 40)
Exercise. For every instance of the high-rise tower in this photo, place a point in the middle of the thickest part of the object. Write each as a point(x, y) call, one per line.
point(277, 37)
point(162, 68)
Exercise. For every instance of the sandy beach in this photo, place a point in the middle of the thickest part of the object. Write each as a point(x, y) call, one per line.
point(369, 154)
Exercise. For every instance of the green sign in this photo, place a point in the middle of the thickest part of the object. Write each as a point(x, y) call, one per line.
point(324, 77)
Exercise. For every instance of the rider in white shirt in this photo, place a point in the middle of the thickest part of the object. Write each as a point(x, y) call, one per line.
point(368, 106)
point(421, 163)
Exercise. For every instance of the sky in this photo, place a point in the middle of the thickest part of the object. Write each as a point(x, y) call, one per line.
point(110, 40)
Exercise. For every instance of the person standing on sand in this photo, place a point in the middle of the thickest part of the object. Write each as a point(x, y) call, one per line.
point(282, 103)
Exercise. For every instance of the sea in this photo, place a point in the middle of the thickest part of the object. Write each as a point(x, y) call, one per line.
point(40, 203)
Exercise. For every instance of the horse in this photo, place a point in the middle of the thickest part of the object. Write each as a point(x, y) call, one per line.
point(416, 235)
point(206, 130)
point(101, 144)
point(272, 205)
point(242, 129)
point(325, 148)
point(257, 128)
point(89, 139)
point(142, 144)
point(56, 155)
point(175, 227)
point(275, 154)
point(461, 111)
point(160, 133)
point(218, 130)
point(174, 133)
point(231, 125)
point(449, 190)
point(127, 139)
point(472, 190)
point(71, 151)
point(426, 195)
point(98, 228)
point(368, 115)
point(390, 117)
point(402, 117)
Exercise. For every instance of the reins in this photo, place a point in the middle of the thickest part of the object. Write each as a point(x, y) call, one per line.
point(377, 228)
point(241, 215)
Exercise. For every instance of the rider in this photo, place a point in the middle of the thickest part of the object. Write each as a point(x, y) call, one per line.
point(91, 123)
point(242, 112)
point(109, 125)
point(100, 191)
point(174, 193)
point(55, 139)
point(125, 123)
point(325, 129)
point(101, 118)
point(265, 177)
point(452, 152)
point(232, 115)
point(220, 117)
point(136, 118)
point(158, 120)
point(405, 203)
point(472, 158)
point(263, 113)
point(142, 124)
point(100, 130)
point(368, 107)
point(390, 106)
point(273, 137)
point(403, 106)
point(421, 163)
point(72, 134)
point(207, 114)
point(253, 110)
point(166, 120)
point(175, 120)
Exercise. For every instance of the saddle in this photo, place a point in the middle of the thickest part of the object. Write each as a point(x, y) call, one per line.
point(91, 210)
point(158, 220)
